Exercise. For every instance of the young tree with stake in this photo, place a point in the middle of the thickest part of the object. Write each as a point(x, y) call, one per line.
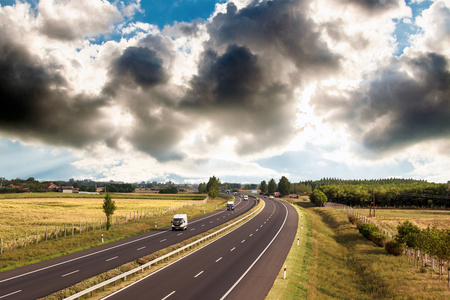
point(109, 206)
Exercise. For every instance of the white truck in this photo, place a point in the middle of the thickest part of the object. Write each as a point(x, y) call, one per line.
point(245, 197)
point(230, 205)
point(180, 222)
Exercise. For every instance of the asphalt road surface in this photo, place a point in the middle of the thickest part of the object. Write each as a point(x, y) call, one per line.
point(241, 265)
point(44, 278)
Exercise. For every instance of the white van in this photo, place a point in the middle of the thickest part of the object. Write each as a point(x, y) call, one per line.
point(180, 222)
point(245, 197)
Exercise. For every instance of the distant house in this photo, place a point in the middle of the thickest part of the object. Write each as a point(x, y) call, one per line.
point(51, 187)
point(14, 186)
point(69, 189)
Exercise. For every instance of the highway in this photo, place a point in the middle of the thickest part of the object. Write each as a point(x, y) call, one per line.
point(44, 278)
point(241, 265)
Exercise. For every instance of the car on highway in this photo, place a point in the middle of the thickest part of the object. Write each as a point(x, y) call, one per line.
point(180, 222)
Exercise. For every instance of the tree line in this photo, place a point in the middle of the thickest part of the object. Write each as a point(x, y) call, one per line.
point(416, 194)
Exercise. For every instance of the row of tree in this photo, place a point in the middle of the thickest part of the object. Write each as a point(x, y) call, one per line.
point(283, 187)
point(432, 241)
point(416, 194)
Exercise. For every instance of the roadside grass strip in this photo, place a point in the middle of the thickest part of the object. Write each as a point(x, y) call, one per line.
point(297, 262)
point(104, 284)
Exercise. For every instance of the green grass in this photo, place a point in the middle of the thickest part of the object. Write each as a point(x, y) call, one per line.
point(336, 262)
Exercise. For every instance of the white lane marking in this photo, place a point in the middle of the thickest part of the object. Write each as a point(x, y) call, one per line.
point(198, 274)
point(10, 294)
point(101, 251)
point(192, 229)
point(140, 248)
point(179, 234)
point(112, 258)
point(220, 258)
point(232, 249)
point(251, 234)
point(242, 241)
point(155, 272)
point(168, 296)
point(70, 273)
point(163, 240)
point(203, 225)
point(257, 229)
point(211, 222)
point(257, 259)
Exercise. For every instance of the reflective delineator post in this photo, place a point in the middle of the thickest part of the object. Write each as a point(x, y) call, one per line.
point(298, 241)
point(102, 238)
point(285, 272)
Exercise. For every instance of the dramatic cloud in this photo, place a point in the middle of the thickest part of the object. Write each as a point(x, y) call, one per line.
point(35, 104)
point(400, 105)
point(69, 20)
point(254, 80)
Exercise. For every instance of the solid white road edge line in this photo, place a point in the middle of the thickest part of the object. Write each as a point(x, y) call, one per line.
point(262, 253)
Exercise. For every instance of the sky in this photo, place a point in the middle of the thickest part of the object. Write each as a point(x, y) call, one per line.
point(242, 90)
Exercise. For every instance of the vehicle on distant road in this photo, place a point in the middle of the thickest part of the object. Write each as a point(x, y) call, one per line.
point(180, 222)
point(245, 197)
point(230, 205)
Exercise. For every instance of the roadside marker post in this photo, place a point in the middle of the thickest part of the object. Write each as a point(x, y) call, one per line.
point(285, 272)
point(298, 241)
point(102, 238)
point(155, 225)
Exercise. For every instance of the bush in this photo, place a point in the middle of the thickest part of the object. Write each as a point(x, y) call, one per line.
point(352, 219)
point(378, 239)
point(368, 230)
point(394, 247)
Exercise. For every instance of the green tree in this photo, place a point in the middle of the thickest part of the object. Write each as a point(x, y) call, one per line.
point(212, 187)
point(202, 188)
point(271, 187)
point(109, 206)
point(284, 186)
point(318, 198)
point(263, 186)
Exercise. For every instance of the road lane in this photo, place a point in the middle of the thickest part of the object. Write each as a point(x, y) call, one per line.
point(41, 279)
point(225, 267)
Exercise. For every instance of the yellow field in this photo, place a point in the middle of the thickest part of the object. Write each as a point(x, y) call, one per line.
point(391, 218)
point(18, 216)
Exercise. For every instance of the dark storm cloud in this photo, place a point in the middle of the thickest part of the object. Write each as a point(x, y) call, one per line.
point(137, 66)
point(400, 109)
point(374, 5)
point(282, 27)
point(254, 60)
point(35, 104)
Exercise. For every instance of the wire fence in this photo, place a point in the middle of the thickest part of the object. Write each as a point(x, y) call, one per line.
point(421, 260)
point(53, 233)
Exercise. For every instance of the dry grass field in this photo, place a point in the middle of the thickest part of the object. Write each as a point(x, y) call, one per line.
point(391, 218)
point(18, 216)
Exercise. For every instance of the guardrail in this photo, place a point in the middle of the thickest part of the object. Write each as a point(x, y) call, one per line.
point(155, 261)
